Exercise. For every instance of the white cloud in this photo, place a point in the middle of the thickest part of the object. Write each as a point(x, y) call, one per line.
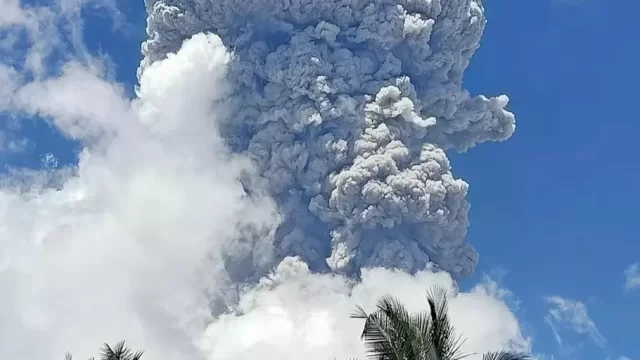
point(48, 28)
point(632, 277)
point(40, 26)
point(572, 315)
point(12, 13)
point(10, 145)
point(127, 245)
point(297, 314)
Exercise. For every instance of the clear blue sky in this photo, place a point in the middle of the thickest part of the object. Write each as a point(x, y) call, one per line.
point(556, 205)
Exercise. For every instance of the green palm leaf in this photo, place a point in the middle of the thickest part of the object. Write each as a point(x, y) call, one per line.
point(446, 343)
point(118, 352)
point(378, 335)
point(392, 333)
point(505, 355)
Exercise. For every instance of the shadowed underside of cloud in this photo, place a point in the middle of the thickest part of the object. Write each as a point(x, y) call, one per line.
point(316, 132)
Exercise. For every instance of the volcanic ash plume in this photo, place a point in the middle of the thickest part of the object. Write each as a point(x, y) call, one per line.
point(347, 108)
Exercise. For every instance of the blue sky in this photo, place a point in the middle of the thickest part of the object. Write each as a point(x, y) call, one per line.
point(556, 205)
point(553, 208)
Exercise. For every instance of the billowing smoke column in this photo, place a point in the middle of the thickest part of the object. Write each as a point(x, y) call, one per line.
point(347, 108)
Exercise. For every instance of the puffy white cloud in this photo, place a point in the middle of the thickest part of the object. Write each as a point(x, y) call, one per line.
point(297, 314)
point(12, 13)
point(568, 314)
point(632, 276)
point(128, 245)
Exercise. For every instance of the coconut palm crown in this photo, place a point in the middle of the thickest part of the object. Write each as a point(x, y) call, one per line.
point(118, 352)
point(392, 333)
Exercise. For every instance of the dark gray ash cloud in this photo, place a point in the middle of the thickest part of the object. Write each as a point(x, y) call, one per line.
point(348, 108)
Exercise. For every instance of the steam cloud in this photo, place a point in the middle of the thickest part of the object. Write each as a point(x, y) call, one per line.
point(272, 151)
point(347, 108)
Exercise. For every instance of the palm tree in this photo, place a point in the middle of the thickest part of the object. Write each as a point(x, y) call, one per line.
point(392, 333)
point(118, 352)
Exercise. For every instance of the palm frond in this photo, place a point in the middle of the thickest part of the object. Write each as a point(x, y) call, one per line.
point(422, 323)
point(392, 333)
point(407, 335)
point(358, 313)
point(446, 343)
point(379, 335)
point(505, 355)
point(119, 352)
point(379, 339)
point(68, 356)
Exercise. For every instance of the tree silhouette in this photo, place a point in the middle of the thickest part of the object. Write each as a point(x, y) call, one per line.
point(118, 352)
point(392, 333)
